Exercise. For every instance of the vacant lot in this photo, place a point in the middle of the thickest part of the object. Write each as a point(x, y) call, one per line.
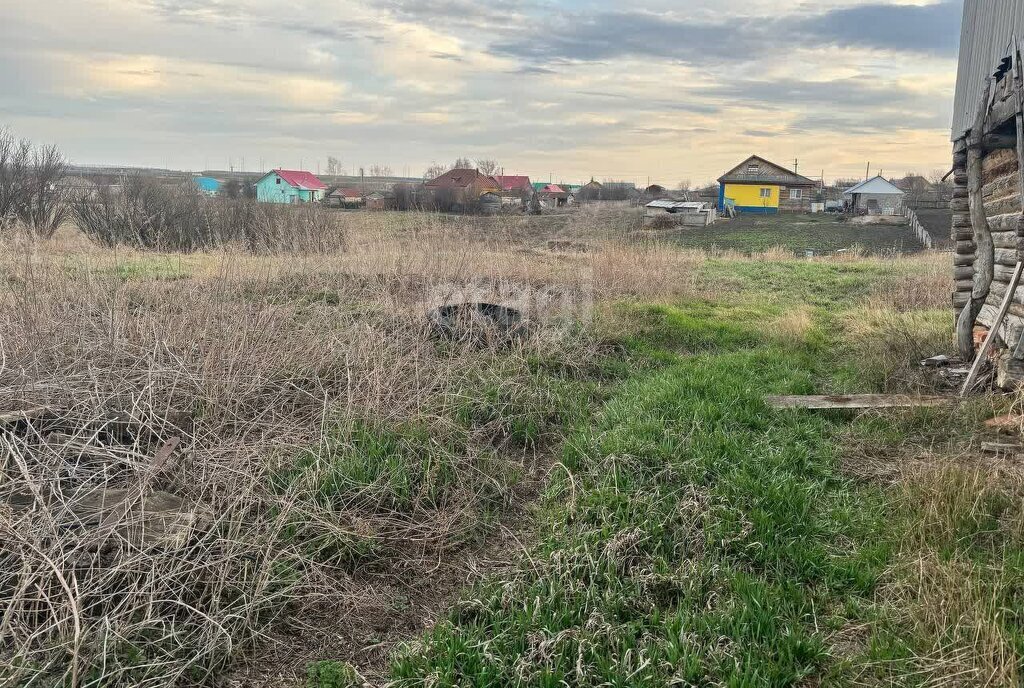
point(821, 233)
point(272, 470)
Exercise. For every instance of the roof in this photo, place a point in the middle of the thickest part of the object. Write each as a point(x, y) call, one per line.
point(300, 179)
point(346, 193)
point(513, 181)
point(460, 179)
point(550, 188)
point(986, 32)
point(875, 185)
point(676, 205)
point(208, 184)
point(767, 173)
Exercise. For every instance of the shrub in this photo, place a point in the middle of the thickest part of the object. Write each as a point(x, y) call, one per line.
point(30, 189)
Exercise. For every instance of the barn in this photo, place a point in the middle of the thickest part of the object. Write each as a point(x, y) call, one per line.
point(988, 193)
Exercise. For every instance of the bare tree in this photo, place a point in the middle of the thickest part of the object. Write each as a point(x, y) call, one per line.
point(487, 166)
point(31, 189)
point(685, 185)
point(461, 164)
point(333, 165)
point(380, 171)
point(435, 170)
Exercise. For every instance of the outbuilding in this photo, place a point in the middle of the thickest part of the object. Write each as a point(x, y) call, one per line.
point(875, 196)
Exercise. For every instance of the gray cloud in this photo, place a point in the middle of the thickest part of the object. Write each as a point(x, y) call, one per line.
point(602, 36)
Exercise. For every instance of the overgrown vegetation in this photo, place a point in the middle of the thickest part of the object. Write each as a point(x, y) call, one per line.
point(328, 473)
point(143, 213)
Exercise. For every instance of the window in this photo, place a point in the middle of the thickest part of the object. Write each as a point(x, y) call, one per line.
point(796, 194)
point(278, 180)
point(753, 168)
point(766, 193)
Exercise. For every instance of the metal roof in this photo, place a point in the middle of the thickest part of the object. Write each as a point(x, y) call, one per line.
point(676, 205)
point(985, 36)
point(301, 179)
point(875, 185)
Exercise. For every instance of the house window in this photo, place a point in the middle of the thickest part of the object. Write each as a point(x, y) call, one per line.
point(766, 193)
point(796, 194)
point(278, 180)
point(753, 168)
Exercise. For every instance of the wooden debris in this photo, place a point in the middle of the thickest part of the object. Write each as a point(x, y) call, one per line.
point(1002, 448)
point(7, 417)
point(855, 401)
point(1007, 423)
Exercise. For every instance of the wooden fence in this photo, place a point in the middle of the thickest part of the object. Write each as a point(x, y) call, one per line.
point(922, 234)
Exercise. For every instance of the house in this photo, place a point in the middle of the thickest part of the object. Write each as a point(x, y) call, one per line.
point(553, 195)
point(759, 186)
point(341, 197)
point(208, 186)
point(875, 196)
point(289, 186)
point(988, 183)
point(460, 190)
point(376, 200)
point(518, 182)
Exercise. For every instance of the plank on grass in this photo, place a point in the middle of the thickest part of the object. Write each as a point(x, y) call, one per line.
point(854, 401)
point(15, 416)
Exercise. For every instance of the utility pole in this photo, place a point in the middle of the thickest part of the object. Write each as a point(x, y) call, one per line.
point(796, 165)
point(868, 173)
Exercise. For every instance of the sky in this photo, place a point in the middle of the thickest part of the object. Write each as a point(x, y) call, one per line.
point(665, 90)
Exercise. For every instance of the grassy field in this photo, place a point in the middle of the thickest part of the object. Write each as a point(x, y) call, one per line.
point(820, 233)
point(603, 500)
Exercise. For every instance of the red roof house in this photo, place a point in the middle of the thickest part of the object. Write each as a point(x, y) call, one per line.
point(515, 182)
point(289, 186)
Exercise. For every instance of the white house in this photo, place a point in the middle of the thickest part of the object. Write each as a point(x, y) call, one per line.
point(875, 196)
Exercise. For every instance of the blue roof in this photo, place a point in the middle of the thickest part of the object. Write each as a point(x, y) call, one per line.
point(207, 184)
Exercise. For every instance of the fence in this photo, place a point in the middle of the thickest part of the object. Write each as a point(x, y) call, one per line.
point(922, 234)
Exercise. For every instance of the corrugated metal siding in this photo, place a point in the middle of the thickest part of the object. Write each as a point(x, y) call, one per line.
point(988, 28)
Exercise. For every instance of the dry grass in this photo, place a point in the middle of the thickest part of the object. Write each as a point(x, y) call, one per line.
point(217, 400)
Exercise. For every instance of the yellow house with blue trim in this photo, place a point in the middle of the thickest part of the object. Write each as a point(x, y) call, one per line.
point(759, 186)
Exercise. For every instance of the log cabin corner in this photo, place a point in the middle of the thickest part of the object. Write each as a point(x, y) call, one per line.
point(988, 177)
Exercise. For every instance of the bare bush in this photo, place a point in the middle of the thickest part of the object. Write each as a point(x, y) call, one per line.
point(30, 185)
point(142, 213)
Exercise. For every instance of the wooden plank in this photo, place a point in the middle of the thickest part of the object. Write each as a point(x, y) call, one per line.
point(854, 401)
point(992, 333)
point(7, 417)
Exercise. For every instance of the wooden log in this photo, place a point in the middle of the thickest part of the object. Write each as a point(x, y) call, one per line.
point(966, 247)
point(964, 286)
point(958, 205)
point(984, 265)
point(1006, 222)
point(1001, 273)
point(962, 221)
point(960, 178)
point(854, 401)
point(960, 192)
point(1007, 256)
point(993, 332)
point(965, 259)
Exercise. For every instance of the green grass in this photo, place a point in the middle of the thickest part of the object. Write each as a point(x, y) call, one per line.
point(695, 541)
point(698, 537)
point(798, 233)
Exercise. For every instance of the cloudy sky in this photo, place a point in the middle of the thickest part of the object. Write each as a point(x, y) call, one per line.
point(666, 89)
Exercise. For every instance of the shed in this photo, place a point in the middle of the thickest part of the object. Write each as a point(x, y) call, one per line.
point(875, 196)
point(688, 213)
